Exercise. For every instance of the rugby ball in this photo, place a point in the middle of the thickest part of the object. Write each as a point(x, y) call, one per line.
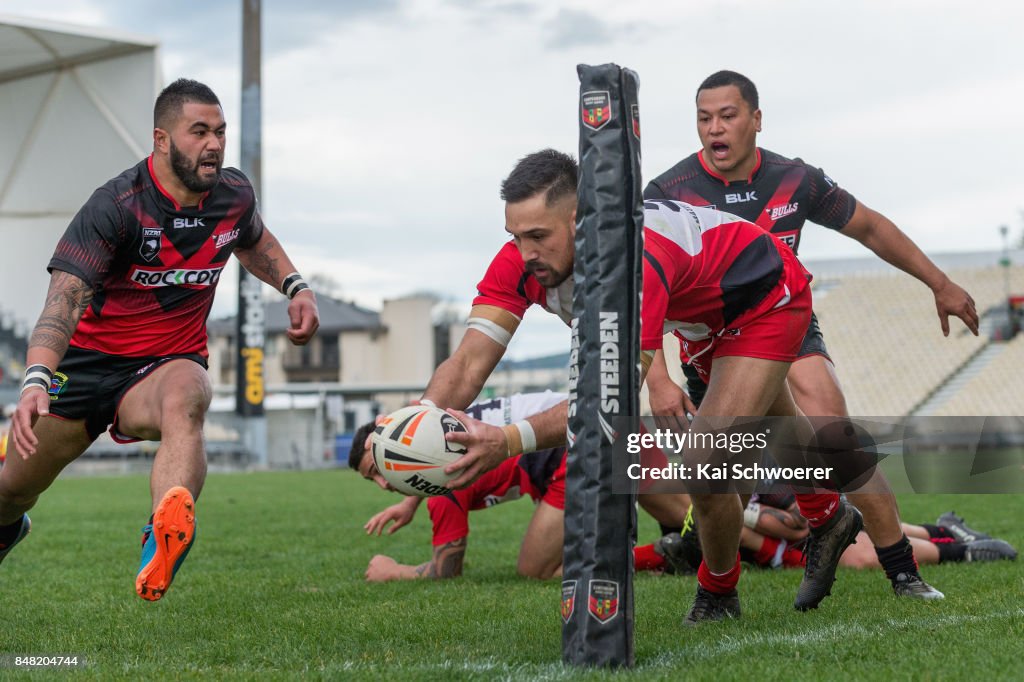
point(411, 453)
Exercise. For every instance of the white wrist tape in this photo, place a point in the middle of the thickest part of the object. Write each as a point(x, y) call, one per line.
point(751, 514)
point(37, 375)
point(528, 436)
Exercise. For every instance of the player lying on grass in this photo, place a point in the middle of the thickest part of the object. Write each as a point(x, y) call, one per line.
point(538, 475)
point(774, 533)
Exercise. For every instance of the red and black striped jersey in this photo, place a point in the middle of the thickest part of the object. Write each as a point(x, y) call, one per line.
point(706, 271)
point(154, 265)
point(780, 194)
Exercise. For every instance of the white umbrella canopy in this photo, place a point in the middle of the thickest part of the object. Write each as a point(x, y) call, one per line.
point(76, 108)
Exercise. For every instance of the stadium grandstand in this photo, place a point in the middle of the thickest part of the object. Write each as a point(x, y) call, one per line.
point(883, 334)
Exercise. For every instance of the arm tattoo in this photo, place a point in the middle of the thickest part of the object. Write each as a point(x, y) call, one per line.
point(66, 301)
point(784, 517)
point(264, 266)
point(447, 561)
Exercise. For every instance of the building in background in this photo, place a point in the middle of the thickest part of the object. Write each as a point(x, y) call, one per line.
point(355, 346)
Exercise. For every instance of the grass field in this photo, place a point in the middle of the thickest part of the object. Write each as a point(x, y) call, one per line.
point(274, 587)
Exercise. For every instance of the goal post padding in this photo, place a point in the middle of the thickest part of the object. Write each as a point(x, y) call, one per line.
point(604, 383)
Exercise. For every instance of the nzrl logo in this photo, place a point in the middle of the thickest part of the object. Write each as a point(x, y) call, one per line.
point(597, 108)
point(150, 246)
point(174, 278)
point(181, 223)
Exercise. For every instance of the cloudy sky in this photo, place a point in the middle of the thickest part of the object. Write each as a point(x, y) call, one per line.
point(389, 124)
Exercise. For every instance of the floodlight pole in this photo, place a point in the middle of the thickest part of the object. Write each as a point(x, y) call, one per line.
point(251, 327)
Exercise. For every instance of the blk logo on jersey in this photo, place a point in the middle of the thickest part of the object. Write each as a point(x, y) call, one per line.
point(597, 110)
point(779, 212)
point(603, 603)
point(206, 277)
point(150, 246)
point(181, 223)
point(739, 198)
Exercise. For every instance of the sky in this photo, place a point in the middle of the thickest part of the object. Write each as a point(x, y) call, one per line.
point(388, 125)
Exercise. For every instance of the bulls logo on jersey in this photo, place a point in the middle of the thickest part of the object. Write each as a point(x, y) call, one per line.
point(150, 246)
point(635, 112)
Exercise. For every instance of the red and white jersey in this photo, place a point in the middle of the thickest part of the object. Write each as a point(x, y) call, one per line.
point(699, 280)
point(507, 285)
point(706, 272)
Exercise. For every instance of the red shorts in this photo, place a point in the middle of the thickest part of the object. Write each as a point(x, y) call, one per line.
point(775, 334)
point(449, 514)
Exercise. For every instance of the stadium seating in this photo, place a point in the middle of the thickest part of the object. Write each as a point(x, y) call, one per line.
point(996, 389)
point(884, 336)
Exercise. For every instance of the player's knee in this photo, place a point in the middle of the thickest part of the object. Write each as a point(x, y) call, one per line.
point(536, 570)
point(16, 499)
point(189, 400)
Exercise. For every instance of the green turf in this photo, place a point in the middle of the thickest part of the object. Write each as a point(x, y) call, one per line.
point(274, 587)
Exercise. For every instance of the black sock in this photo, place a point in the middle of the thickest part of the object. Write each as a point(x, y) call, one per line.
point(899, 558)
point(8, 533)
point(936, 531)
point(665, 530)
point(951, 551)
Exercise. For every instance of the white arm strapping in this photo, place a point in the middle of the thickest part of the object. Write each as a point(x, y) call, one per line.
point(492, 330)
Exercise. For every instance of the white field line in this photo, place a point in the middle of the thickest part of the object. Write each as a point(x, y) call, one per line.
point(554, 671)
point(833, 632)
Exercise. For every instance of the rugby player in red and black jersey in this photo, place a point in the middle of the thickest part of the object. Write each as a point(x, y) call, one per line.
point(121, 341)
point(698, 277)
point(732, 173)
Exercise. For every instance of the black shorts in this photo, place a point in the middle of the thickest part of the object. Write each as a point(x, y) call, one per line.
point(89, 385)
point(813, 344)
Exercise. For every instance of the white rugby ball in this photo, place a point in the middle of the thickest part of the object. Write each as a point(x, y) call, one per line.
point(410, 451)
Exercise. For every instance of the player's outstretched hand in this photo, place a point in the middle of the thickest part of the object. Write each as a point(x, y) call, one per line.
point(401, 514)
point(486, 446)
point(951, 299)
point(304, 317)
point(34, 403)
point(668, 400)
point(382, 569)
